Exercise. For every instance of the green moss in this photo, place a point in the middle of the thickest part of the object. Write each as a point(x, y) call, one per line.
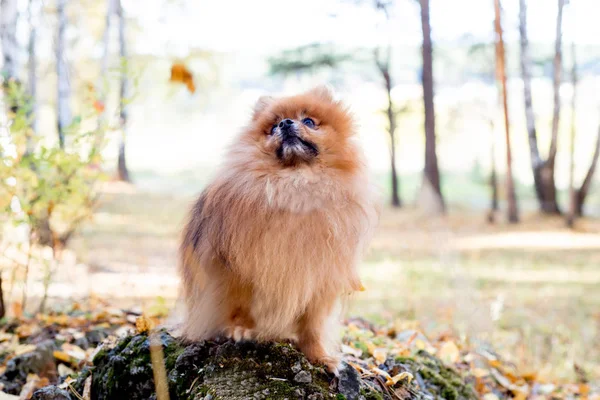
point(371, 394)
point(440, 379)
point(447, 391)
point(100, 355)
point(340, 397)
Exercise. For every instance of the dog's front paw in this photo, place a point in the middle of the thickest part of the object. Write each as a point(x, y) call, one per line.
point(239, 333)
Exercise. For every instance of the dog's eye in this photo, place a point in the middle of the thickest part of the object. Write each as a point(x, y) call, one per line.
point(308, 122)
point(273, 129)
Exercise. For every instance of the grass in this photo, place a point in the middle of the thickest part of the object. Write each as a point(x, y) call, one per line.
point(531, 290)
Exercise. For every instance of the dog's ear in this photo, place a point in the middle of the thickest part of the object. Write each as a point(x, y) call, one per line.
point(261, 105)
point(324, 92)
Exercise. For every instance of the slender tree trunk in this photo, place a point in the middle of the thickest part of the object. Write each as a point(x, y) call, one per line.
point(2, 306)
point(493, 176)
point(123, 172)
point(572, 193)
point(32, 72)
point(431, 172)
point(101, 89)
point(8, 28)
point(587, 181)
point(536, 160)
point(384, 69)
point(8, 43)
point(513, 213)
point(63, 110)
point(392, 126)
point(551, 203)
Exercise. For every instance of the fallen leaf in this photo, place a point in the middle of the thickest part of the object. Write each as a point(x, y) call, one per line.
point(62, 356)
point(380, 355)
point(449, 352)
point(24, 349)
point(402, 376)
point(63, 370)
point(87, 388)
point(479, 372)
point(490, 396)
point(143, 324)
point(351, 350)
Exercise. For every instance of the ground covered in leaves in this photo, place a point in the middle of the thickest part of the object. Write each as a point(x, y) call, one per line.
point(97, 354)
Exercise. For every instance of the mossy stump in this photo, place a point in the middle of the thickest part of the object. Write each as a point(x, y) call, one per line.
point(212, 370)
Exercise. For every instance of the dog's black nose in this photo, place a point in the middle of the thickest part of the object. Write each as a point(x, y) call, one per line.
point(286, 123)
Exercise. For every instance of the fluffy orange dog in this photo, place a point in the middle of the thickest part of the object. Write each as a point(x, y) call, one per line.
point(273, 242)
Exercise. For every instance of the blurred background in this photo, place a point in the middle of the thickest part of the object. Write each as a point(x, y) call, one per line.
point(480, 121)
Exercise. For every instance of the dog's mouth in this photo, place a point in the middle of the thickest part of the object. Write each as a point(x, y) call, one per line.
point(294, 150)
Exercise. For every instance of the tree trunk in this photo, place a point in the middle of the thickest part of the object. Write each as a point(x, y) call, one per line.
point(8, 28)
point(384, 69)
point(431, 172)
point(536, 161)
point(550, 201)
point(396, 202)
point(572, 194)
point(493, 176)
point(101, 89)
point(122, 171)
point(584, 189)
point(32, 72)
point(63, 110)
point(543, 170)
point(2, 306)
point(513, 213)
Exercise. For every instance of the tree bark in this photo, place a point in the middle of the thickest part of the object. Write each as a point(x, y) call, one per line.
point(543, 170)
point(536, 160)
point(572, 193)
point(63, 111)
point(122, 170)
point(493, 176)
point(384, 69)
point(2, 306)
point(102, 78)
point(32, 72)
point(584, 189)
point(431, 172)
point(8, 28)
point(513, 213)
point(550, 201)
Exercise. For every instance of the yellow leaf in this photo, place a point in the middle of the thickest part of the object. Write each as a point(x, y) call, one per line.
point(479, 372)
point(143, 324)
point(74, 351)
point(402, 376)
point(62, 356)
point(381, 372)
point(584, 389)
point(63, 370)
point(371, 347)
point(380, 355)
point(24, 349)
point(449, 352)
point(351, 350)
point(490, 396)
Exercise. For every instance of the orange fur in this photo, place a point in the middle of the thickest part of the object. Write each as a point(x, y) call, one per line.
point(269, 248)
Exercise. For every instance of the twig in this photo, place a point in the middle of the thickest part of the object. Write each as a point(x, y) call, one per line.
point(158, 367)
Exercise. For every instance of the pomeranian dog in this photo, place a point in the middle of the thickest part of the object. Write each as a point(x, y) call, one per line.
point(273, 242)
